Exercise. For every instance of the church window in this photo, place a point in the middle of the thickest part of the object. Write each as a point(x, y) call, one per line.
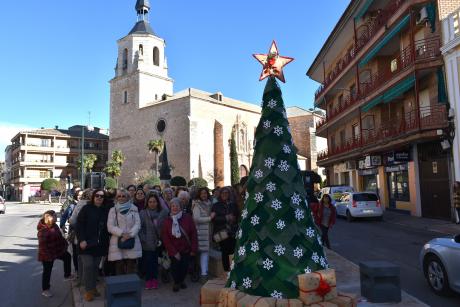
point(161, 125)
point(141, 49)
point(156, 56)
point(125, 97)
point(125, 58)
point(156, 96)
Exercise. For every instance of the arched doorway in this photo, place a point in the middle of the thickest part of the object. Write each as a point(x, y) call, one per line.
point(243, 171)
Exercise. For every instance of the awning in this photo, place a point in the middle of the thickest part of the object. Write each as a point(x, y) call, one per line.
point(397, 90)
point(395, 30)
point(364, 9)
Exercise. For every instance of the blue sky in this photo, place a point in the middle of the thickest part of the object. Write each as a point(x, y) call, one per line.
point(58, 56)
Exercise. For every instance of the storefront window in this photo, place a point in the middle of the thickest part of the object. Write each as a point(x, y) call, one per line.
point(370, 183)
point(399, 185)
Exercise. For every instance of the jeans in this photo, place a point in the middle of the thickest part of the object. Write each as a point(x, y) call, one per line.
point(179, 268)
point(204, 261)
point(150, 262)
point(126, 266)
point(90, 270)
point(227, 248)
point(324, 236)
point(48, 268)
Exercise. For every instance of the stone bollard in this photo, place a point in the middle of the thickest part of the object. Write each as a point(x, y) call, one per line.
point(123, 290)
point(380, 282)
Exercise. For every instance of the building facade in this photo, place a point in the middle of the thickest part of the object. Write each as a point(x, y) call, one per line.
point(195, 125)
point(36, 155)
point(383, 90)
point(449, 14)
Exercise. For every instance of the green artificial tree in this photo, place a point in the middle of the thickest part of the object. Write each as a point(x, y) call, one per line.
point(234, 168)
point(277, 239)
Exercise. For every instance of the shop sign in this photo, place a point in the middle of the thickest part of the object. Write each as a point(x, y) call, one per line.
point(362, 164)
point(350, 165)
point(371, 161)
point(396, 168)
point(397, 157)
point(368, 172)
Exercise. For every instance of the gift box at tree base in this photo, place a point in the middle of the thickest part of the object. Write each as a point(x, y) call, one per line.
point(277, 243)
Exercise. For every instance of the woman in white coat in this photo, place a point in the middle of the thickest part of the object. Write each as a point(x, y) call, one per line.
point(124, 224)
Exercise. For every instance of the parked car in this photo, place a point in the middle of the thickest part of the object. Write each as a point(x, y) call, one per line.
point(359, 204)
point(335, 191)
point(2, 205)
point(439, 259)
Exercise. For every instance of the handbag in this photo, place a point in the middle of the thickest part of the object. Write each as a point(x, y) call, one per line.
point(127, 244)
point(220, 236)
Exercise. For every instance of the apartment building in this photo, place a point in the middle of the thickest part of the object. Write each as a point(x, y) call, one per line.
point(383, 90)
point(52, 153)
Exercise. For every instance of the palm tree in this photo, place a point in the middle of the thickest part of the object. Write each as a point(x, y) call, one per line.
point(118, 157)
point(156, 146)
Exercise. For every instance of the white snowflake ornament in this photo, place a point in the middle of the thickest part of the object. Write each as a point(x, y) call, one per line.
point(278, 130)
point(279, 249)
point(298, 252)
point(307, 270)
point(310, 232)
point(280, 224)
point(240, 233)
point(258, 197)
point(283, 166)
point(315, 257)
point(286, 149)
point(272, 103)
point(299, 214)
point(269, 162)
point(242, 251)
point(295, 198)
point(267, 124)
point(276, 294)
point(255, 220)
point(258, 174)
point(247, 282)
point(254, 246)
point(322, 261)
point(244, 213)
point(276, 204)
point(270, 187)
point(233, 285)
point(268, 264)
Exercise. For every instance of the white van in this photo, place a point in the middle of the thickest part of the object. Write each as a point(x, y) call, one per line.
point(335, 191)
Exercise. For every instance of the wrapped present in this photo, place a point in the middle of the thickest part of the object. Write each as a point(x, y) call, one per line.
point(289, 303)
point(323, 304)
point(234, 297)
point(224, 296)
point(209, 294)
point(319, 286)
point(266, 302)
point(345, 300)
point(248, 301)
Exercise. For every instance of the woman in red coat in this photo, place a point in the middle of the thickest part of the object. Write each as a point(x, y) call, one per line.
point(51, 246)
point(181, 242)
point(325, 218)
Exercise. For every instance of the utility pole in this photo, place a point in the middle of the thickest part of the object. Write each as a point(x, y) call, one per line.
point(82, 157)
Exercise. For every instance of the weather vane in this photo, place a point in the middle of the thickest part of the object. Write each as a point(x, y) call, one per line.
point(273, 63)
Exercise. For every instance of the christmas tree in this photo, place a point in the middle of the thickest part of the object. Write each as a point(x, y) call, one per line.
point(277, 239)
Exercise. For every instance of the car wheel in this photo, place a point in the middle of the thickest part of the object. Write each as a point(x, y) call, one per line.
point(436, 275)
point(349, 217)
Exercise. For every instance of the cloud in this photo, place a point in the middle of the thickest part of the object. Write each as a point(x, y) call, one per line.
point(7, 132)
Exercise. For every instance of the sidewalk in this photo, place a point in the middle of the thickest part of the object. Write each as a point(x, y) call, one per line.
point(420, 223)
point(347, 281)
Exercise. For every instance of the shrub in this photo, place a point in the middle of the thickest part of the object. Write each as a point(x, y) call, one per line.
point(110, 183)
point(198, 182)
point(178, 181)
point(152, 180)
point(49, 184)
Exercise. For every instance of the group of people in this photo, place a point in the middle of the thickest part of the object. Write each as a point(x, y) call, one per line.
point(125, 231)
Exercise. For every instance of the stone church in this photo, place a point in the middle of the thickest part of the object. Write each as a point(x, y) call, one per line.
point(195, 125)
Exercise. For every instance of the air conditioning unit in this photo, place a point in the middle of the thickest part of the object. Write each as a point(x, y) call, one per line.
point(422, 16)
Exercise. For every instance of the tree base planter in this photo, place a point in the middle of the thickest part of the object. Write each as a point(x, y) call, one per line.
point(316, 289)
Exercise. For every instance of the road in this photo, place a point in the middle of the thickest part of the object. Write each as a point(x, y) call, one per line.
point(20, 272)
point(372, 240)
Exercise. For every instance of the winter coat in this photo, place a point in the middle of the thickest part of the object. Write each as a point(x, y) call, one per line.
point(151, 225)
point(51, 243)
point(91, 227)
point(140, 204)
point(118, 223)
point(67, 214)
point(220, 220)
point(319, 215)
point(76, 211)
point(201, 216)
point(180, 245)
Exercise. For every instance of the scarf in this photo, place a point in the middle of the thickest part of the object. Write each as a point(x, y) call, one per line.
point(175, 225)
point(123, 208)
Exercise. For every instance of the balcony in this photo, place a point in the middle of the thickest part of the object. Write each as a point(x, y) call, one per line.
point(427, 118)
point(421, 51)
point(364, 34)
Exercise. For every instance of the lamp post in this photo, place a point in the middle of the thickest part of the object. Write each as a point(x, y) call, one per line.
point(82, 169)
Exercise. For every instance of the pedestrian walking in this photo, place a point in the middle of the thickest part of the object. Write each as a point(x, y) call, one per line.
point(139, 199)
point(325, 218)
point(51, 246)
point(124, 224)
point(152, 218)
point(180, 239)
point(201, 208)
point(92, 241)
point(225, 217)
point(71, 232)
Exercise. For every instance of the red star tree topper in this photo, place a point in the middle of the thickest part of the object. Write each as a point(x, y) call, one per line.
point(273, 63)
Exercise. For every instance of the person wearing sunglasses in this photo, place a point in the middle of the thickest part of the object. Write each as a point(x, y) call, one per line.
point(92, 239)
point(124, 224)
